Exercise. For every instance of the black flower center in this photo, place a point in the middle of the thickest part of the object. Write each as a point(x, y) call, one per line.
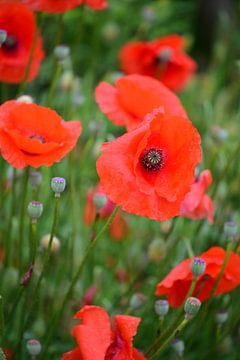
point(152, 159)
point(11, 43)
point(37, 137)
point(164, 56)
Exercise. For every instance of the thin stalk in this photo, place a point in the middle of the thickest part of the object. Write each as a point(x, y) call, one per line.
point(179, 328)
point(171, 328)
point(22, 216)
point(67, 296)
point(8, 234)
point(33, 241)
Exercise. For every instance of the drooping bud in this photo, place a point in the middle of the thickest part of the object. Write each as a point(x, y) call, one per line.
point(34, 347)
point(137, 301)
point(35, 179)
point(58, 185)
point(161, 308)
point(3, 36)
point(197, 266)
point(99, 200)
point(27, 276)
point(178, 346)
point(61, 52)
point(221, 317)
point(230, 230)
point(191, 307)
point(35, 209)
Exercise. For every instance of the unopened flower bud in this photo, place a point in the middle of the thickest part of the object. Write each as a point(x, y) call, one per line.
point(35, 209)
point(27, 276)
point(221, 317)
point(35, 179)
point(137, 301)
point(230, 230)
point(2, 355)
point(99, 200)
point(191, 306)
point(178, 346)
point(55, 243)
point(161, 307)
point(61, 52)
point(27, 99)
point(58, 185)
point(197, 266)
point(67, 80)
point(34, 347)
point(3, 36)
point(219, 134)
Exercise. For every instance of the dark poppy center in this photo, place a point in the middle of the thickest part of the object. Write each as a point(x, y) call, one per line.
point(152, 159)
point(114, 349)
point(11, 43)
point(37, 137)
point(164, 56)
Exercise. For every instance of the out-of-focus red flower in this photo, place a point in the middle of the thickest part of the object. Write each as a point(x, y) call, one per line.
point(197, 204)
point(59, 6)
point(163, 59)
point(97, 340)
point(34, 135)
point(177, 283)
point(133, 97)
point(19, 23)
point(8, 354)
point(149, 170)
point(118, 229)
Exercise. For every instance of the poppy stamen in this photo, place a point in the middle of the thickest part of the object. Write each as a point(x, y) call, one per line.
point(38, 137)
point(152, 159)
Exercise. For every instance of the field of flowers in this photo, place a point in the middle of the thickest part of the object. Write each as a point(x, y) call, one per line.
point(119, 180)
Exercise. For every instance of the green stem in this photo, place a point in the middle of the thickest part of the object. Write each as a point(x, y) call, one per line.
point(171, 328)
point(29, 63)
point(223, 268)
point(22, 216)
point(67, 296)
point(53, 85)
point(179, 328)
point(8, 235)
point(33, 241)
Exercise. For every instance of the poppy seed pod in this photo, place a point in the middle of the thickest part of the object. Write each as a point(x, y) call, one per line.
point(35, 209)
point(61, 52)
point(178, 346)
point(99, 200)
point(161, 307)
point(35, 179)
point(34, 347)
point(58, 185)
point(197, 266)
point(2, 355)
point(221, 317)
point(230, 230)
point(191, 307)
point(137, 301)
point(27, 99)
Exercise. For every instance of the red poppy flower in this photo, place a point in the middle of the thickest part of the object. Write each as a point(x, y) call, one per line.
point(8, 353)
point(118, 229)
point(58, 6)
point(177, 283)
point(19, 23)
point(97, 340)
point(197, 204)
point(163, 59)
point(133, 97)
point(149, 170)
point(34, 135)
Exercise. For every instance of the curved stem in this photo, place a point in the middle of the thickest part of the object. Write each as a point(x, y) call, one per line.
point(179, 328)
point(66, 298)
